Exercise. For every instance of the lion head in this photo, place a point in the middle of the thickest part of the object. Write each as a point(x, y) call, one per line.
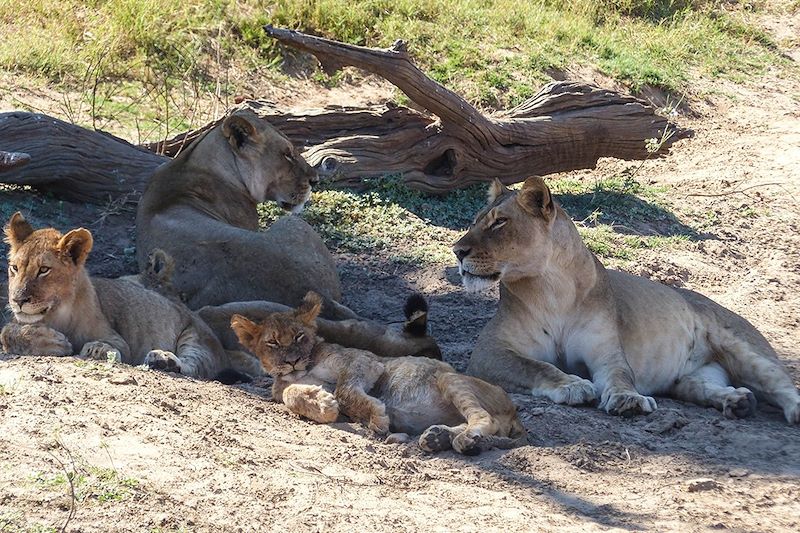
point(284, 342)
point(510, 238)
point(43, 266)
point(268, 164)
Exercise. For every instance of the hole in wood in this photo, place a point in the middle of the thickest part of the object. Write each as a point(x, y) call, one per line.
point(444, 165)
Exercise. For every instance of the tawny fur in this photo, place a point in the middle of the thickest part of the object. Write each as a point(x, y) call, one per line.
point(59, 310)
point(405, 394)
point(200, 208)
point(562, 313)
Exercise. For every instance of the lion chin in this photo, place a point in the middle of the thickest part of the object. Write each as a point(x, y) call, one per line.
point(27, 318)
point(475, 283)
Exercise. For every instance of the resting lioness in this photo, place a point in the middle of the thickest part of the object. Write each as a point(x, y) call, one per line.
point(58, 309)
point(407, 394)
point(562, 311)
point(200, 208)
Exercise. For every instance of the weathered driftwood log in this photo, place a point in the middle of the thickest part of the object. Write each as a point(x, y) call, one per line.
point(566, 126)
point(9, 160)
point(74, 163)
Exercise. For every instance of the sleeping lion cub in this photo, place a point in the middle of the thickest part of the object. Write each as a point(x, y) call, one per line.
point(405, 394)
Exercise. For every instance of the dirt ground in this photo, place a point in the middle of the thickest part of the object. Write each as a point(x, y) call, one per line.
point(149, 451)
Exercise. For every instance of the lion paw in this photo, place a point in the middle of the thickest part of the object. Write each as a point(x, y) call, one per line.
point(163, 360)
point(467, 443)
point(327, 406)
point(435, 439)
point(44, 340)
point(792, 414)
point(626, 404)
point(577, 391)
point(739, 403)
point(101, 351)
point(379, 424)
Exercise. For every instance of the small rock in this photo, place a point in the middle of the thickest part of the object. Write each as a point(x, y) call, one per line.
point(703, 484)
point(122, 380)
point(398, 438)
point(738, 472)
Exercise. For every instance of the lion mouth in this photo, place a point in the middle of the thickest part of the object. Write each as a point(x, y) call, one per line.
point(478, 282)
point(29, 318)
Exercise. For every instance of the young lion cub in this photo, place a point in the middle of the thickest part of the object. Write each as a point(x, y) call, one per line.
point(405, 394)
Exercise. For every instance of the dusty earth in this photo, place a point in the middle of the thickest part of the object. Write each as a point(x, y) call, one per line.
point(91, 447)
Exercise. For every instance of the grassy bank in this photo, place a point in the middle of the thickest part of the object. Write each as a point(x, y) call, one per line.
point(152, 61)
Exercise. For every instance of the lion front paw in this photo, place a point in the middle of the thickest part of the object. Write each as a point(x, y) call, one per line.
point(102, 351)
point(739, 403)
point(312, 402)
point(626, 404)
point(379, 424)
point(326, 406)
point(576, 391)
point(792, 413)
point(38, 339)
point(163, 360)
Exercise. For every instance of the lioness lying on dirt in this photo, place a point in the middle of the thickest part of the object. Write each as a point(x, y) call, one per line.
point(200, 208)
point(58, 308)
point(562, 311)
point(406, 394)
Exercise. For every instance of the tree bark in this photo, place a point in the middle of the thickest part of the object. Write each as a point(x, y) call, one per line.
point(9, 160)
point(74, 163)
point(566, 126)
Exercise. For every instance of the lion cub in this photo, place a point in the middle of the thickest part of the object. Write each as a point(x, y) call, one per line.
point(318, 380)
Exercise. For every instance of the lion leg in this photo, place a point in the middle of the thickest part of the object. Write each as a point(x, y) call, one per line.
point(34, 339)
point(515, 373)
point(764, 375)
point(710, 386)
point(194, 356)
point(358, 377)
point(460, 391)
point(614, 377)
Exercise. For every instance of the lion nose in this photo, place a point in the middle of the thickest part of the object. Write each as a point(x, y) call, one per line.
point(313, 179)
point(461, 253)
point(22, 300)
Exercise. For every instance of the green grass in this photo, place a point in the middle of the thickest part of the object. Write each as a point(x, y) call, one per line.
point(103, 485)
point(617, 218)
point(145, 64)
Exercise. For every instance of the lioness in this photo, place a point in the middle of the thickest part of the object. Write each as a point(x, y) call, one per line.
point(201, 209)
point(58, 308)
point(562, 311)
point(407, 394)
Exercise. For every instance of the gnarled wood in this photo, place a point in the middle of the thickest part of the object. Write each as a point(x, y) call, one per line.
point(566, 126)
point(74, 163)
point(9, 160)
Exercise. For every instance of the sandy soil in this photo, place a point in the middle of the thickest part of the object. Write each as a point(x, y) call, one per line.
point(148, 451)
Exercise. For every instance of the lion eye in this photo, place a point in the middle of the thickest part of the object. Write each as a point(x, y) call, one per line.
point(13, 268)
point(498, 223)
point(43, 271)
point(299, 337)
point(272, 344)
point(288, 157)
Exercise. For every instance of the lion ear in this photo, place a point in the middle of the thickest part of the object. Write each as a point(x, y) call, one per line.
point(160, 264)
point(246, 330)
point(309, 310)
point(17, 230)
point(496, 190)
point(237, 129)
point(76, 245)
point(535, 198)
